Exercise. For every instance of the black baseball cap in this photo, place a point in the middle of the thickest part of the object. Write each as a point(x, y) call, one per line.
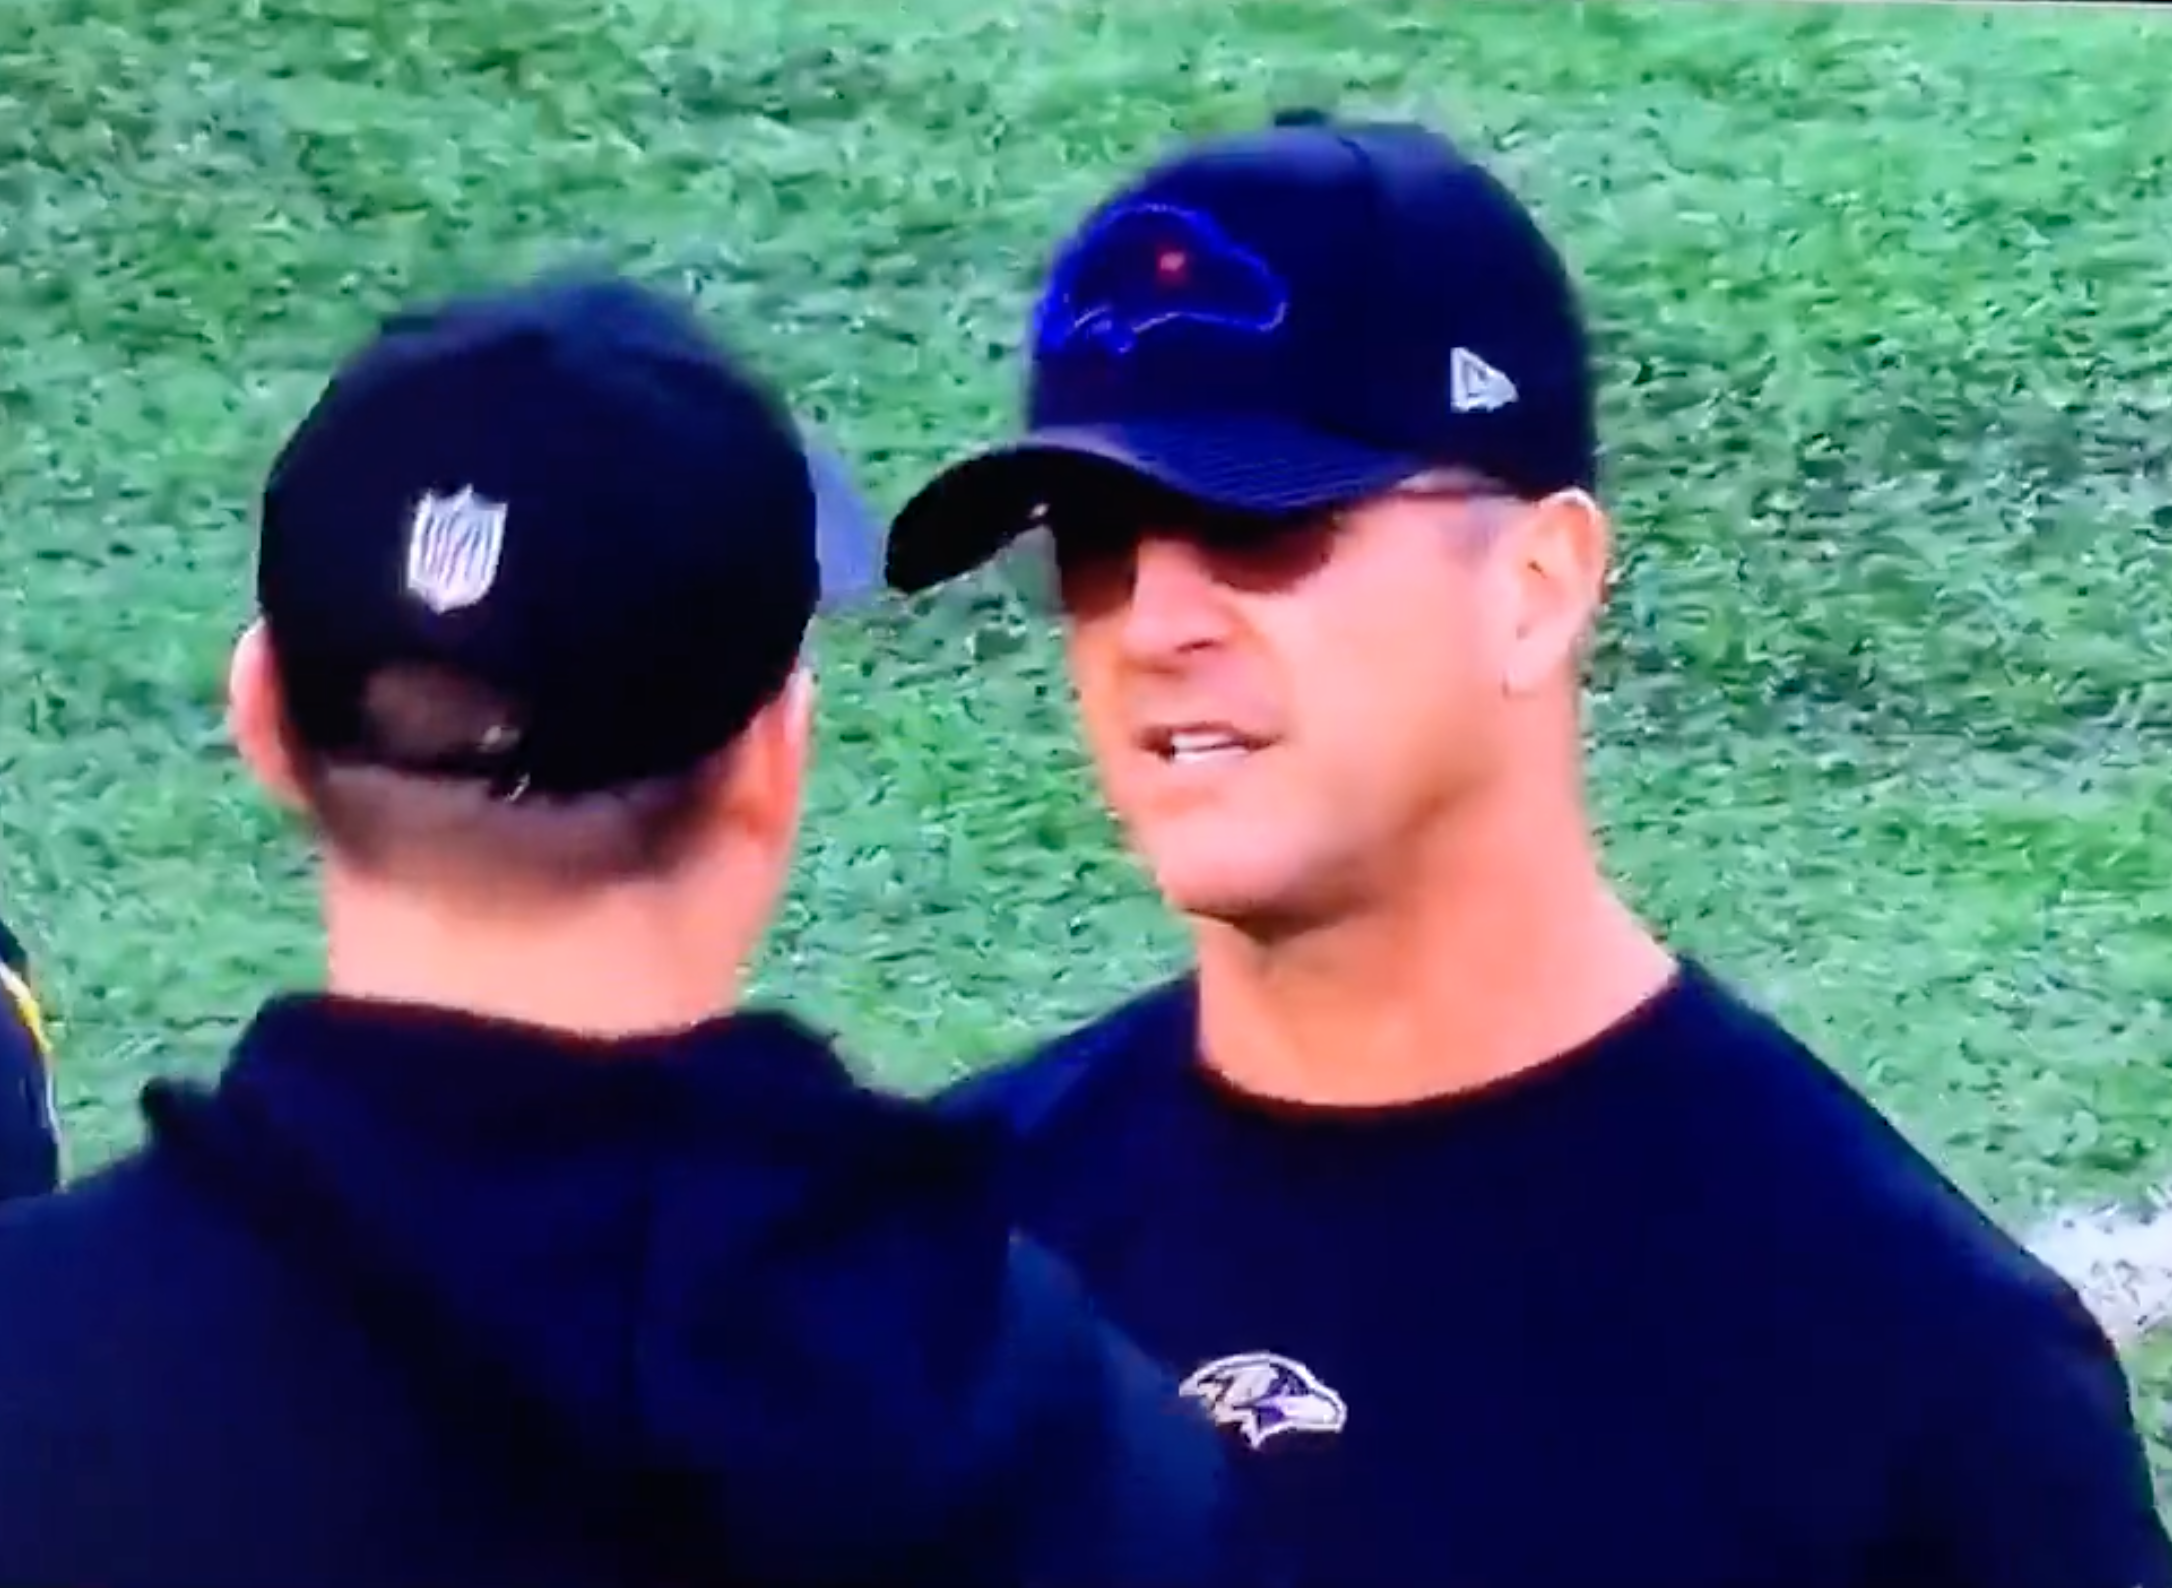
point(1277, 322)
point(565, 500)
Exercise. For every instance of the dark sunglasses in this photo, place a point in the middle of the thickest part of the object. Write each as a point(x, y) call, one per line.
point(1106, 520)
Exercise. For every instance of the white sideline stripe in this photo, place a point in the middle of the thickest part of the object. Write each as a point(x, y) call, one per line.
point(2120, 1262)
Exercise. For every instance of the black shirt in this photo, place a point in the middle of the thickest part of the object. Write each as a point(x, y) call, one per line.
point(1676, 1310)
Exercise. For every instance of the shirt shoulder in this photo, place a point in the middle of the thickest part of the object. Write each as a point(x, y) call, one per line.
point(110, 1276)
point(97, 1248)
point(1803, 1141)
point(1049, 1085)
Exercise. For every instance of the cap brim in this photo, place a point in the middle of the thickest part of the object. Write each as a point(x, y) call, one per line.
point(972, 510)
point(848, 532)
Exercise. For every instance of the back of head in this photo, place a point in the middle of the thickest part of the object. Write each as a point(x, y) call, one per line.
point(535, 576)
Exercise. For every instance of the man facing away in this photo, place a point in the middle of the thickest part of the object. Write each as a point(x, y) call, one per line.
point(514, 1256)
point(1510, 1247)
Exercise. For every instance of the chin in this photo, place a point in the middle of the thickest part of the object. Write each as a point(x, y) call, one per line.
point(1243, 863)
point(1235, 889)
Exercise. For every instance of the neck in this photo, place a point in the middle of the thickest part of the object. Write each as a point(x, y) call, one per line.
point(1503, 948)
point(624, 963)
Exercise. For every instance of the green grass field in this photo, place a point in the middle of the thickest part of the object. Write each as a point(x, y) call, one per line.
point(1886, 298)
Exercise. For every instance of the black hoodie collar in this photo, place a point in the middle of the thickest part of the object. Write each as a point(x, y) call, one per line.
point(456, 1078)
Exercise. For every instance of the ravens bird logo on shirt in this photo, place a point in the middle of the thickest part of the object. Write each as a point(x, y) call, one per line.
point(1261, 1395)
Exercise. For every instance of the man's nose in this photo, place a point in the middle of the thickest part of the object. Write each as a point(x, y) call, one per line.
point(1176, 602)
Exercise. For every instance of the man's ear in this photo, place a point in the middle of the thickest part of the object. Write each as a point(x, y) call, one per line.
point(256, 717)
point(1559, 558)
point(765, 772)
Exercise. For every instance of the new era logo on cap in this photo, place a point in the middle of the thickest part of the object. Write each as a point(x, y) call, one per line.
point(1474, 386)
point(1285, 321)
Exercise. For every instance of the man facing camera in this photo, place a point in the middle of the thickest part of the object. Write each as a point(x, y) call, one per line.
point(1510, 1248)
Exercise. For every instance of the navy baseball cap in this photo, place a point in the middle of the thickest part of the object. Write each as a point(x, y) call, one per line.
point(564, 501)
point(1278, 322)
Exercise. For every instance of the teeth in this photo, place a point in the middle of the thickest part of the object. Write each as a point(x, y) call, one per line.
point(1203, 745)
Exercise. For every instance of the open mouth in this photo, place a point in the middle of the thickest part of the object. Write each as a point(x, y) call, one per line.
point(1206, 744)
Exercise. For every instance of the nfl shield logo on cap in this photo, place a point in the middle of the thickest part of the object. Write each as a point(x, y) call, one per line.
point(452, 549)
